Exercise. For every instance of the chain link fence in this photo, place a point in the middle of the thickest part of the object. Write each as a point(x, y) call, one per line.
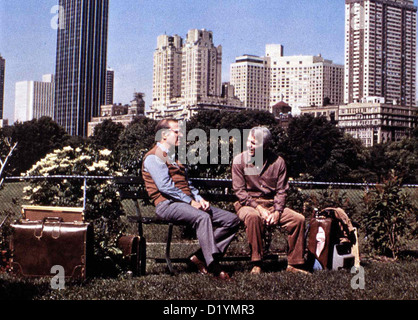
point(304, 197)
point(316, 194)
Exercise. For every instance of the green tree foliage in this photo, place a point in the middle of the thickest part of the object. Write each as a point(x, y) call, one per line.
point(137, 138)
point(212, 122)
point(316, 147)
point(390, 218)
point(106, 134)
point(403, 156)
point(35, 139)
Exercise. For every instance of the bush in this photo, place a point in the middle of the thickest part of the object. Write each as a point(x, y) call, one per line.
point(390, 217)
point(103, 205)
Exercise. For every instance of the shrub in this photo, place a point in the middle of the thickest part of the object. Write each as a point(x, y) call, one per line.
point(103, 205)
point(390, 217)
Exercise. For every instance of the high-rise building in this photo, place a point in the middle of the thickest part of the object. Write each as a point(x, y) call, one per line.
point(167, 71)
point(110, 82)
point(187, 77)
point(299, 81)
point(34, 99)
point(2, 76)
point(81, 63)
point(380, 50)
point(201, 67)
point(250, 76)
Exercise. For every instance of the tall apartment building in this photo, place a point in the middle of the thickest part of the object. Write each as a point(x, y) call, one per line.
point(81, 63)
point(187, 77)
point(110, 83)
point(34, 99)
point(380, 50)
point(250, 76)
point(167, 71)
point(2, 76)
point(262, 82)
point(201, 67)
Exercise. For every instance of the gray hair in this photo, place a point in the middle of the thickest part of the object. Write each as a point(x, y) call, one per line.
point(264, 133)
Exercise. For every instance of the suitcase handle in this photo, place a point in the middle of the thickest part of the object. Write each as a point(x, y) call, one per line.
point(55, 235)
point(56, 219)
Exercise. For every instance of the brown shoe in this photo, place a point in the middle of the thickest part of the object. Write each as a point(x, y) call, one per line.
point(296, 270)
point(200, 265)
point(223, 276)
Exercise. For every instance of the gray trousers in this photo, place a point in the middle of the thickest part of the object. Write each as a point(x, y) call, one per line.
point(214, 229)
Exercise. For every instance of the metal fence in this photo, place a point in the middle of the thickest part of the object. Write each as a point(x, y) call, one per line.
point(12, 196)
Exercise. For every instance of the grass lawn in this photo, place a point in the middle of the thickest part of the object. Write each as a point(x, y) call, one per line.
point(383, 281)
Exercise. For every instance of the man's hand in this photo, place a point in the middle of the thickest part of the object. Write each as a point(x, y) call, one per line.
point(205, 205)
point(273, 218)
point(263, 212)
point(196, 205)
point(202, 205)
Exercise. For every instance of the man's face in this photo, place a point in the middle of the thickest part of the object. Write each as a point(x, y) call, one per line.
point(254, 143)
point(172, 134)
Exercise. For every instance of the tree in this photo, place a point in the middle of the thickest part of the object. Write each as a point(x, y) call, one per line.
point(35, 139)
point(230, 122)
point(106, 134)
point(316, 147)
point(403, 156)
point(134, 142)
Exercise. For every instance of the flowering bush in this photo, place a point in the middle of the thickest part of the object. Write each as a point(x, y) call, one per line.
point(103, 205)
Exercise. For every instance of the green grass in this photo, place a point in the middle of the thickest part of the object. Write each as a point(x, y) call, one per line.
point(383, 281)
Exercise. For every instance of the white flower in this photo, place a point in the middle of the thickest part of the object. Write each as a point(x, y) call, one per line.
point(105, 152)
point(68, 148)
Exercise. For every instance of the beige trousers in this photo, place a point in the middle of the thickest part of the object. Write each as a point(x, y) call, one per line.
point(291, 221)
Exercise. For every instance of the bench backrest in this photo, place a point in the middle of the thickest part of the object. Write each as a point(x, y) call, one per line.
point(214, 190)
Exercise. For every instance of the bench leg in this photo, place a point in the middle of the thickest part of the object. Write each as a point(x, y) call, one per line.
point(143, 256)
point(168, 247)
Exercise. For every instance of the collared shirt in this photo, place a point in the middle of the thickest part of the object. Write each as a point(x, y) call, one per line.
point(268, 182)
point(159, 172)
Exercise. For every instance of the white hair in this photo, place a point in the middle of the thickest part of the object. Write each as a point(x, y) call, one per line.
point(262, 132)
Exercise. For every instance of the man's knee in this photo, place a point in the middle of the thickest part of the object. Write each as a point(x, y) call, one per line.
point(253, 218)
point(295, 217)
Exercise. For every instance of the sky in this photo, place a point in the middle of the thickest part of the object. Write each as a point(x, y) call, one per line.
point(303, 27)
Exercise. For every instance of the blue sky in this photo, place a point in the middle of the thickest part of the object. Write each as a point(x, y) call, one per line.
point(303, 27)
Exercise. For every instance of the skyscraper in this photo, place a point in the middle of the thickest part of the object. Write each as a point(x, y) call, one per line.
point(34, 99)
point(201, 68)
point(250, 76)
point(380, 50)
point(81, 63)
point(110, 82)
point(2, 73)
point(300, 81)
point(187, 77)
point(167, 71)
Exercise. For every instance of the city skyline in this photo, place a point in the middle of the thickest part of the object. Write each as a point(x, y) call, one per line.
point(303, 28)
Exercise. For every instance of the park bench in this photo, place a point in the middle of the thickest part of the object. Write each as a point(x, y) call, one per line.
point(133, 188)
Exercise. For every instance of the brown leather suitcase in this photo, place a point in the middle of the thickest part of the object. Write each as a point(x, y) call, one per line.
point(39, 213)
point(131, 250)
point(38, 246)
